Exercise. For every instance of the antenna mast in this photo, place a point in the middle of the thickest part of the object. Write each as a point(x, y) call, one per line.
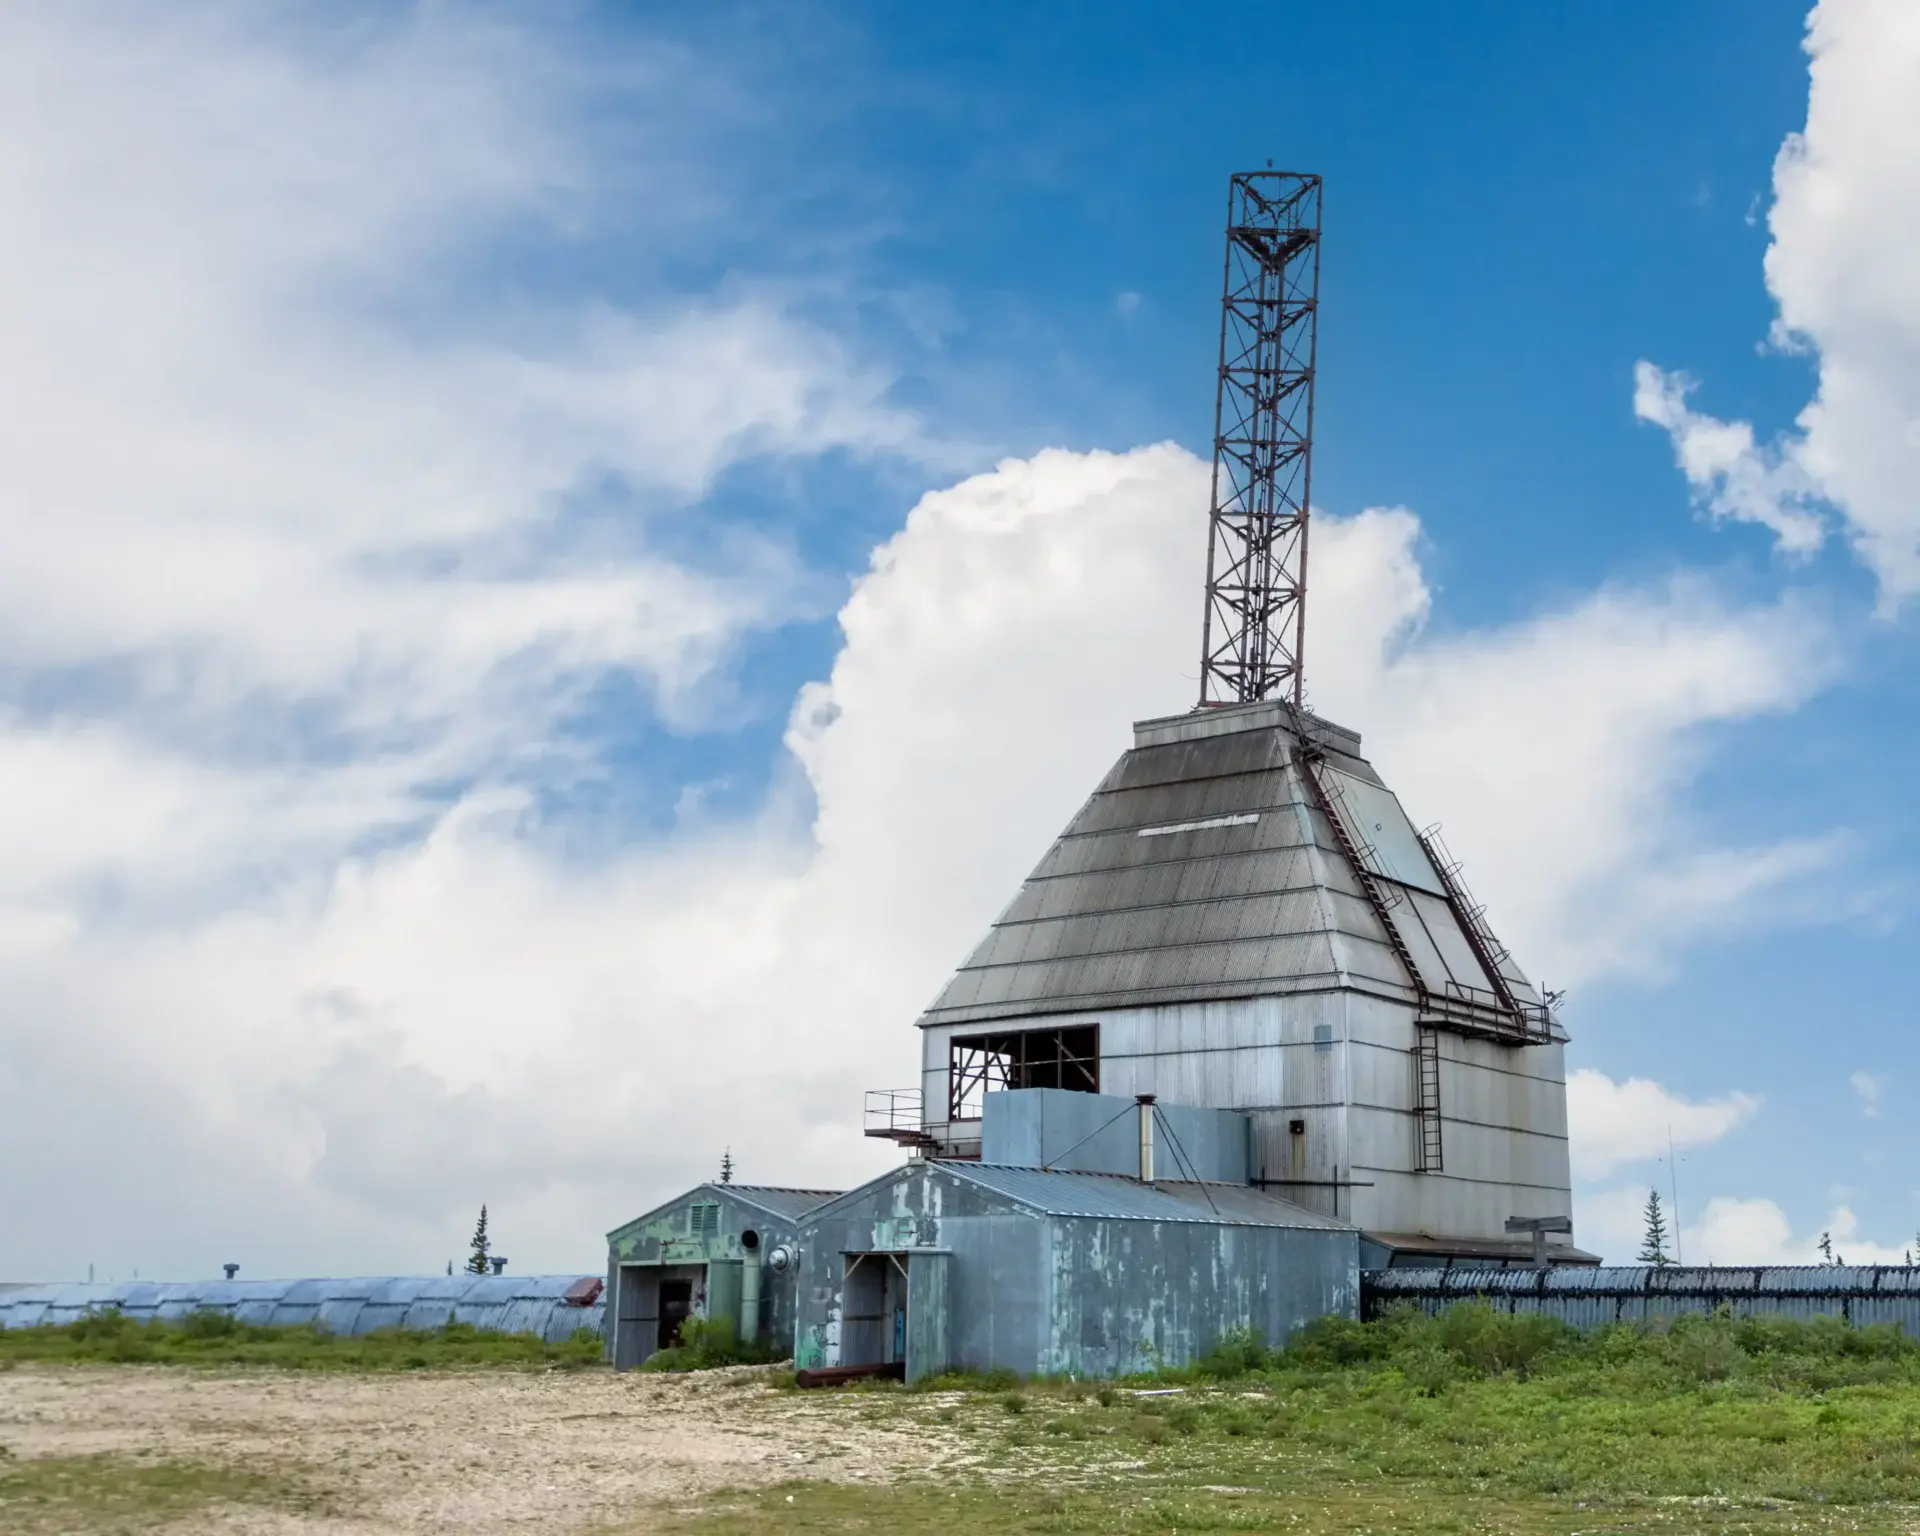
point(1255, 625)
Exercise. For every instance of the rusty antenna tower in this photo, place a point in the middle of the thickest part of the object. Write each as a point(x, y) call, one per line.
point(1255, 624)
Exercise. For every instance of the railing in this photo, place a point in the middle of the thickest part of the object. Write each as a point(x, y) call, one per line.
point(896, 1113)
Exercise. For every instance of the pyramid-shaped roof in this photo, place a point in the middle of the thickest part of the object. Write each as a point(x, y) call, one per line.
point(1242, 852)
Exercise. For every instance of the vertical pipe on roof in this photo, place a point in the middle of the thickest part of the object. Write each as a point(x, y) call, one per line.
point(1145, 1101)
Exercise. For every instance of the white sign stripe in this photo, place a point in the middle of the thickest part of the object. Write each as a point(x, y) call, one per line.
point(1196, 826)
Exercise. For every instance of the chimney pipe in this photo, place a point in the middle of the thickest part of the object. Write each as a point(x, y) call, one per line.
point(1145, 1101)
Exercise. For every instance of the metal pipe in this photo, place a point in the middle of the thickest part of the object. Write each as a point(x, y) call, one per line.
point(750, 1298)
point(1145, 1101)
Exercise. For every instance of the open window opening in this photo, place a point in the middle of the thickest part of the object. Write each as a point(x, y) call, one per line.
point(1020, 1058)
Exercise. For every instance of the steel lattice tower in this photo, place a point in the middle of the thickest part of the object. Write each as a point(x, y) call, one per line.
point(1255, 625)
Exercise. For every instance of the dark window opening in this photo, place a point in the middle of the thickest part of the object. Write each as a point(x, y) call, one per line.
point(1021, 1058)
point(676, 1306)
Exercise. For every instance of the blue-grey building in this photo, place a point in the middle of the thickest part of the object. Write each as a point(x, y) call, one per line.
point(947, 1264)
point(719, 1250)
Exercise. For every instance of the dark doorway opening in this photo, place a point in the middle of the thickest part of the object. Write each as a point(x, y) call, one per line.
point(1020, 1058)
point(676, 1304)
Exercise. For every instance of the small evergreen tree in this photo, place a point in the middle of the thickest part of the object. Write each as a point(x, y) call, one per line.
point(1653, 1247)
point(477, 1260)
point(726, 1166)
point(1826, 1247)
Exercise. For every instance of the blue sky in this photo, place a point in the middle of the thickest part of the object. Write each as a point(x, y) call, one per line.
point(597, 510)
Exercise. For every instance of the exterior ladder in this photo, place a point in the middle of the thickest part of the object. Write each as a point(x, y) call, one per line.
point(1426, 1102)
point(1376, 898)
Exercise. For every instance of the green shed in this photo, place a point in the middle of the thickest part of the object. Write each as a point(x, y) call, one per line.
point(719, 1250)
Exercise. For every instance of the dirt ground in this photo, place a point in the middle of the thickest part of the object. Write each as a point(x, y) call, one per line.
point(470, 1451)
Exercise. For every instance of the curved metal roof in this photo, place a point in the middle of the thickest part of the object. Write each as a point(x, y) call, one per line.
point(498, 1303)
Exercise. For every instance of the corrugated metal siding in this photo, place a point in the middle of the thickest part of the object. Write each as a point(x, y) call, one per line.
point(1592, 1298)
point(496, 1303)
point(1107, 1289)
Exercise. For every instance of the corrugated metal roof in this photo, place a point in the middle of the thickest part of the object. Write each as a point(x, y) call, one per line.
point(1113, 1196)
point(781, 1203)
point(354, 1305)
point(1202, 869)
point(790, 1204)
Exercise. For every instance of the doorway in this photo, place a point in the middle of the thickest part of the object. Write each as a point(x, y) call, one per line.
point(676, 1304)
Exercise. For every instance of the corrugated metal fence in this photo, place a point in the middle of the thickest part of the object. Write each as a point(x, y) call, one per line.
point(1591, 1298)
point(497, 1303)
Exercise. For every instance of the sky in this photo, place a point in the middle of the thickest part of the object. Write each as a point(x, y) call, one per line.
point(560, 564)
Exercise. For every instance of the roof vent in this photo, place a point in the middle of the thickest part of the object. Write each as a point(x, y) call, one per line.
point(1145, 1101)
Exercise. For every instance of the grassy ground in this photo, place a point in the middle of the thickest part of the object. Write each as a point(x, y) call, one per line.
point(213, 1338)
point(1473, 1422)
point(110, 1494)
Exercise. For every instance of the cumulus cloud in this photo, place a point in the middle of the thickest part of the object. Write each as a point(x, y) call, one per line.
point(392, 1033)
point(299, 957)
point(1868, 1088)
point(1610, 1123)
point(1846, 190)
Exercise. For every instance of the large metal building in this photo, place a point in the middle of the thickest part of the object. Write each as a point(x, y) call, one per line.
point(1243, 917)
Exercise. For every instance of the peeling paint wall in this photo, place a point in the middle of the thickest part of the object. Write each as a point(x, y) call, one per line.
point(671, 1238)
point(1070, 1295)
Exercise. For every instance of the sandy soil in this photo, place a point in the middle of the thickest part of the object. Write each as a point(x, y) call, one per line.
point(469, 1451)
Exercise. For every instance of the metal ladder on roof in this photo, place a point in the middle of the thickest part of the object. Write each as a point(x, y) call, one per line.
point(1428, 1152)
point(1309, 758)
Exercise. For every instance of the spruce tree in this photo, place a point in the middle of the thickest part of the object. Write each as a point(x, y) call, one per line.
point(1653, 1247)
point(477, 1260)
point(726, 1166)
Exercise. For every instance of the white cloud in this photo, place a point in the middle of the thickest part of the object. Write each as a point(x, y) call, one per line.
point(298, 964)
point(386, 1037)
point(1846, 194)
point(1731, 475)
point(1869, 1088)
point(1726, 1230)
point(1568, 828)
point(273, 440)
point(1612, 1123)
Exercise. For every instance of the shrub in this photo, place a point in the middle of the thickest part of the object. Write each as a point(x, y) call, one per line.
point(706, 1342)
point(1235, 1353)
point(209, 1323)
point(1493, 1343)
point(1338, 1341)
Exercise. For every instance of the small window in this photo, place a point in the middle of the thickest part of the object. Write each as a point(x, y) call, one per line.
point(703, 1220)
point(1323, 1037)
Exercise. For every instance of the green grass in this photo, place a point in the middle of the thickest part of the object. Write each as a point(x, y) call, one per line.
point(107, 1494)
point(1473, 1421)
point(213, 1338)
